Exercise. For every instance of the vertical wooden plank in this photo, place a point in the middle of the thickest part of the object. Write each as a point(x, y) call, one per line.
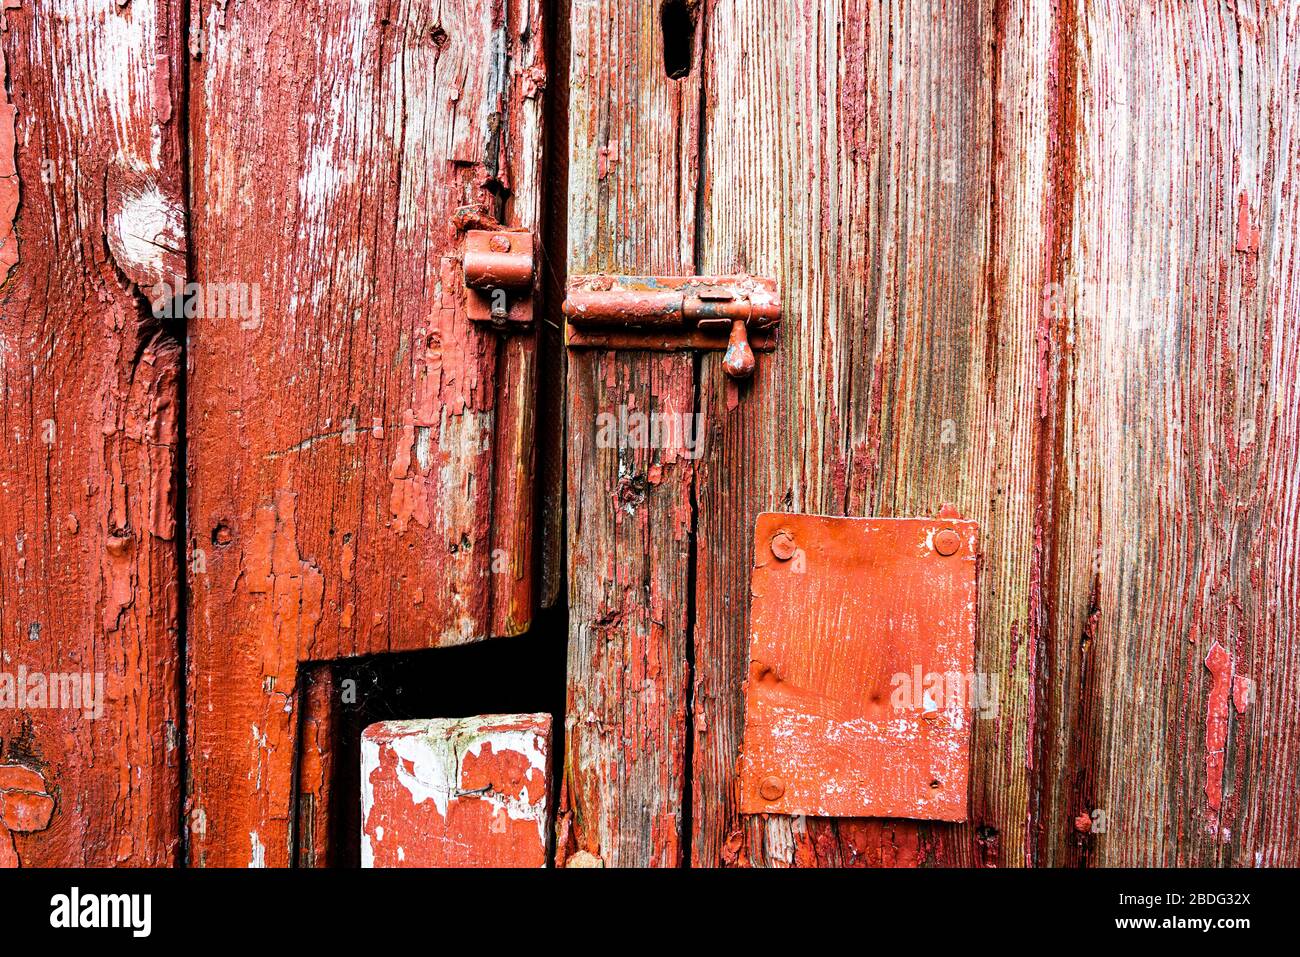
point(90, 139)
point(348, 431)
point(1173, 375)
point(552, 399)
point(632, 177)
point(1023, 190)
point(862, 183)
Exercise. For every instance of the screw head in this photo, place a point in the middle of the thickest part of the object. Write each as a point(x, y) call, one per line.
point(783, 546)
point(771, 788)
point(499, 244)
point(946, 542)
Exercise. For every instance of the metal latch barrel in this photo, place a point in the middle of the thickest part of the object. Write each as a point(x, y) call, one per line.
point(735, 313)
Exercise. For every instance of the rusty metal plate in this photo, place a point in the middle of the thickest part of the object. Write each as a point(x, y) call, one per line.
point(858, 701)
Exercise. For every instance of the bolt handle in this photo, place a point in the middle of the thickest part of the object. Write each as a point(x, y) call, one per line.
point(738, 362)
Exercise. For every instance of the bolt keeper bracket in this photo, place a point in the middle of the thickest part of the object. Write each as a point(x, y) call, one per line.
point(499, 278)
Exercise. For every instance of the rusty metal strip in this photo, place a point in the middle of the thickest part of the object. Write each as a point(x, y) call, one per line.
point(681, 341)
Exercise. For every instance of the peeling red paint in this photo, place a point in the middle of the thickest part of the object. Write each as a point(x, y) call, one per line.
point(24, 808)
point(1219, 665)
point(369, 450)
point(87, 530)
point(1243, 693)
point(469, 792)
point(1247, 234)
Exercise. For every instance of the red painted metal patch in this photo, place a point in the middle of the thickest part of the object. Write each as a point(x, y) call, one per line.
point(456, 792)
point(861, 685)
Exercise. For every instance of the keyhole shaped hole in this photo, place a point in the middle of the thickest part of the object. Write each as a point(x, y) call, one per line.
point(678, 26)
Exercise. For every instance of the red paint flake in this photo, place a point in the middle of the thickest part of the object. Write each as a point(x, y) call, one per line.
point(15, 777)
point(531, 82)
point(1243, 693)
point(25, 811)
point(732, 849)
point(506, 773)
point(25, 807)
point(1247, 235)
point(1216, 723)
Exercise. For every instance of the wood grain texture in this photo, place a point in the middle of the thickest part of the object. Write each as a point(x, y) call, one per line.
point(1169, 593)
point(633, 148)
point(863, 184)
point(360, 455)
point(91, 219)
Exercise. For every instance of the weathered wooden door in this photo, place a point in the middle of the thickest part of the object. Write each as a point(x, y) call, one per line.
point(285, 187)
point(1037, 260)
point(91, 221)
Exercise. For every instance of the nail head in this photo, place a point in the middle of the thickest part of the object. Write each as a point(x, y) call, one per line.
point(783, 546)
point(946, 542)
